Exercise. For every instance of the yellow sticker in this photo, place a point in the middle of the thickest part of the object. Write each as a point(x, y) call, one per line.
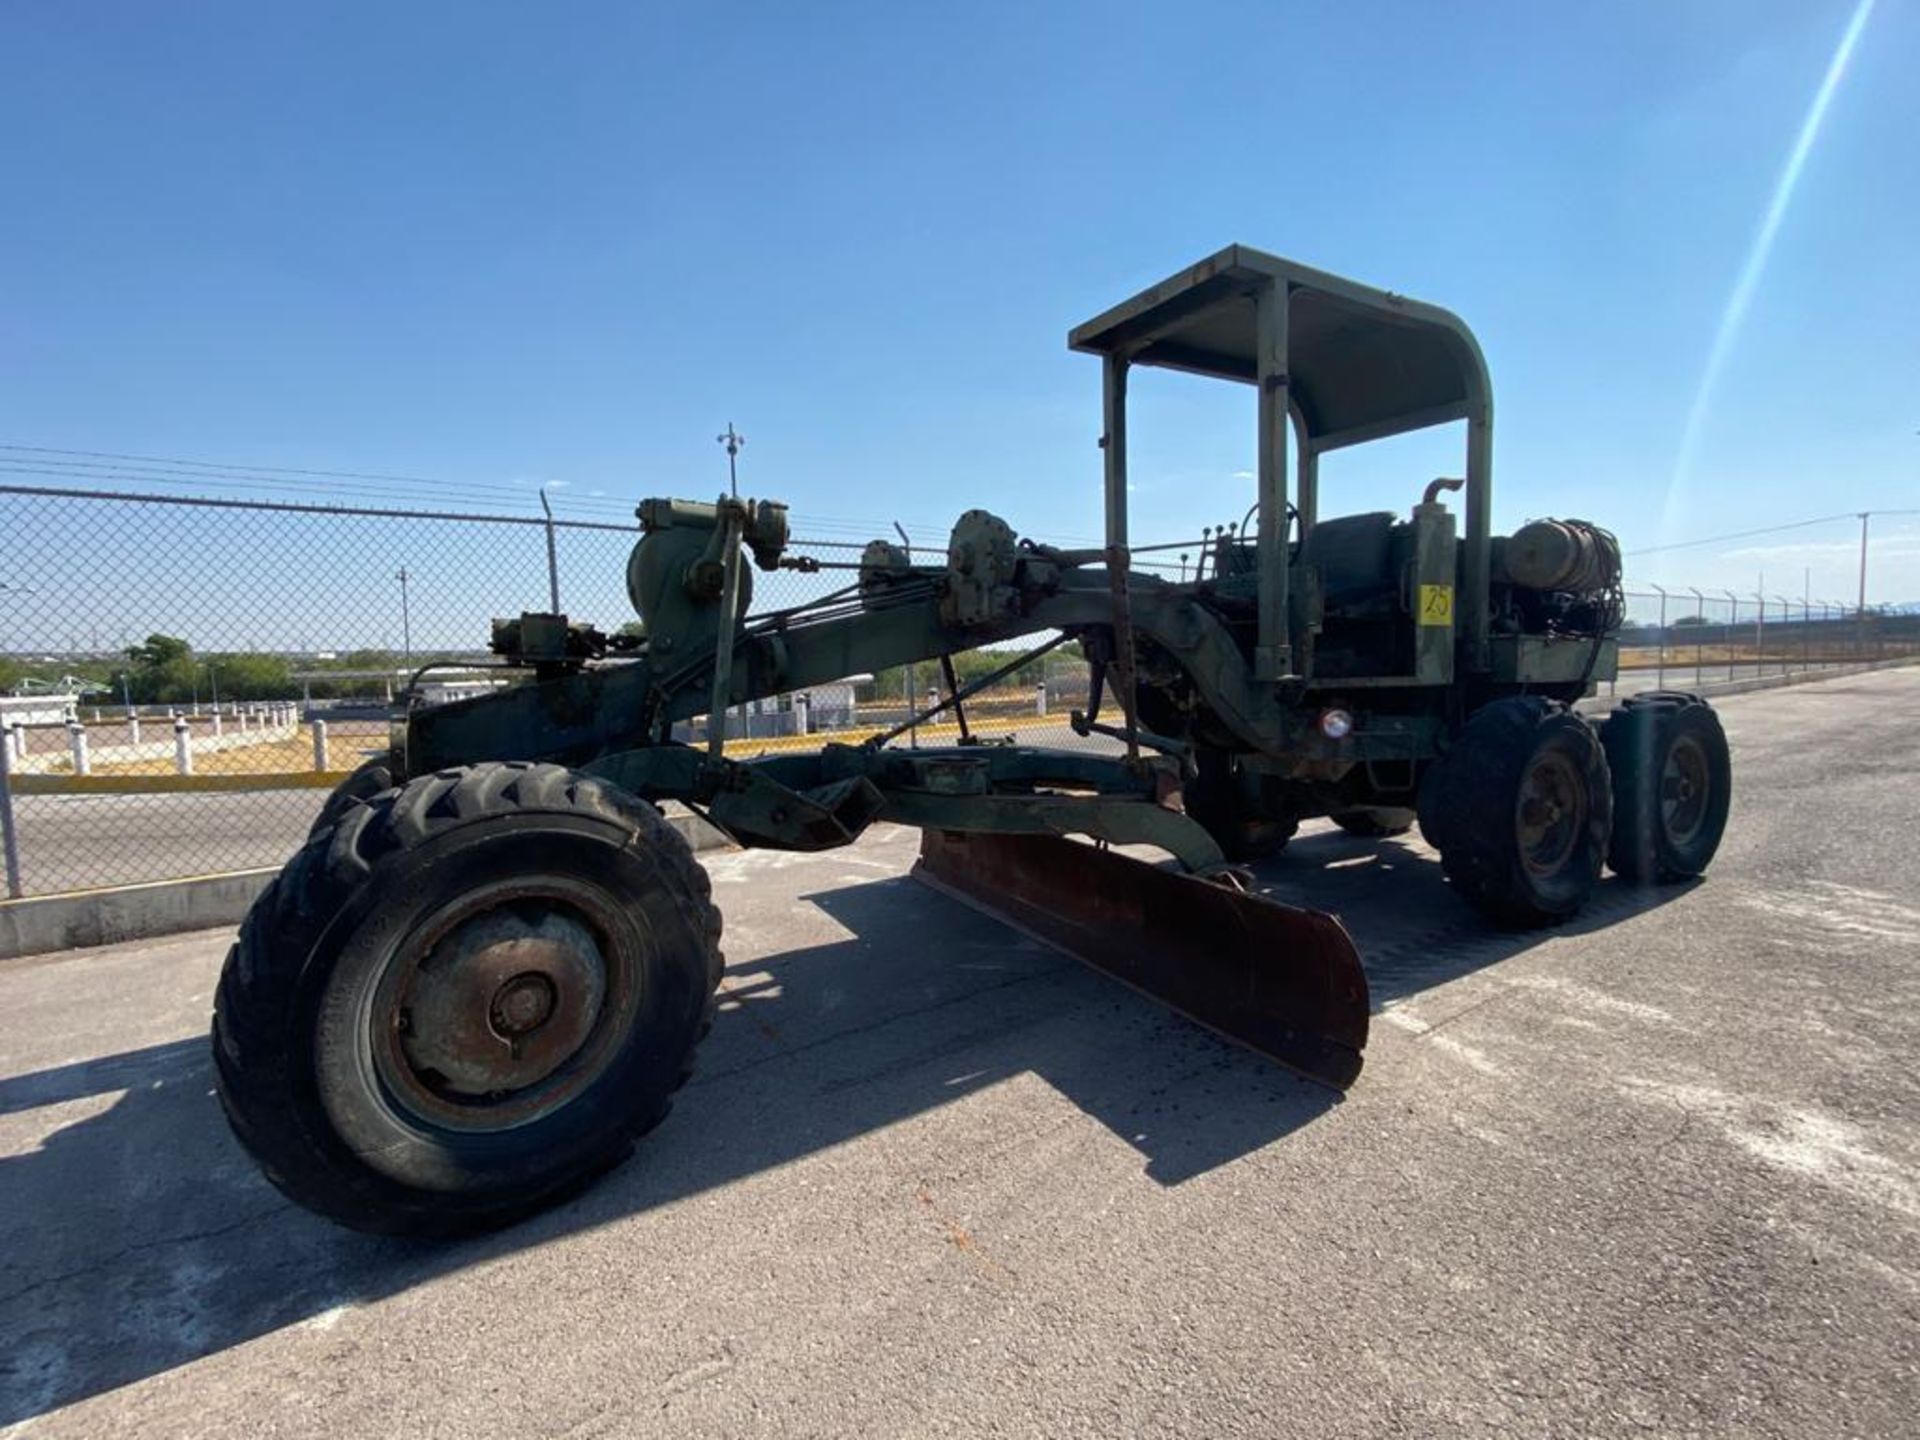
point(1436, 604)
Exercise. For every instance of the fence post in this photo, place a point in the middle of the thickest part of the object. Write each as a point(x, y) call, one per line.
point(319, 744)
point(1699, 634)
point(77, 740)
point(216, 722)
point(9, 841)
point(1660, 664)
point(182, 745)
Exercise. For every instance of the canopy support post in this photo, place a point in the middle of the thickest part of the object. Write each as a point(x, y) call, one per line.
point(1273, 648)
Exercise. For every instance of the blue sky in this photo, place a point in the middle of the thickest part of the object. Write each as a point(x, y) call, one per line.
point(502, 244)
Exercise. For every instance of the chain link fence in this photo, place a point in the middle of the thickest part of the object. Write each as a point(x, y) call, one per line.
point(1688, 638)
point(183, 680)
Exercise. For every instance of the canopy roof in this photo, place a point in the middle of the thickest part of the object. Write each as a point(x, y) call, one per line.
point(1361, 363)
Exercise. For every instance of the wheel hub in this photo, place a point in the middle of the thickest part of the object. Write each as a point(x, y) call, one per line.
point(1684, 790)
point(1550, 813)
point(500, 1002)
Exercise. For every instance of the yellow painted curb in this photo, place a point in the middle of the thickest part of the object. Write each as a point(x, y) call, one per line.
point(327, 779)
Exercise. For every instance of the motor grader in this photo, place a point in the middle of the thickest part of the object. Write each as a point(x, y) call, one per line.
point(487, 970)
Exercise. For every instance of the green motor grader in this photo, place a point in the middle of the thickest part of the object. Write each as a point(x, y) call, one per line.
point(487, 970)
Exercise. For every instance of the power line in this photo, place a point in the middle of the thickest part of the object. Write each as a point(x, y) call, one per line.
point(79, 470)
point(1764, 530)
point(113, 467)
point(222, 465)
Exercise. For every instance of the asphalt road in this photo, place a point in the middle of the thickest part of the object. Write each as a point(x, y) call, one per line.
point(1657, 1172)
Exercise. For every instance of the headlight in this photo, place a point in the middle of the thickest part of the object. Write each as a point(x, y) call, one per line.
point(1336, 724)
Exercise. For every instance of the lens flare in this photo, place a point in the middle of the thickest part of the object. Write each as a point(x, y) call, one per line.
point(1734, 316)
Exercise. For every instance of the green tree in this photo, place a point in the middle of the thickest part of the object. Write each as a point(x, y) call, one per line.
point(253, 677)
point(162, 670)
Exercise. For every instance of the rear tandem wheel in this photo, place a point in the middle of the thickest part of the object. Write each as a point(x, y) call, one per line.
point(1672, 786)
point(1520, 811)
point(466, 998)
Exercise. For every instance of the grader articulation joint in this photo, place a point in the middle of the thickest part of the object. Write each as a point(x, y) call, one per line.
point(486, 971)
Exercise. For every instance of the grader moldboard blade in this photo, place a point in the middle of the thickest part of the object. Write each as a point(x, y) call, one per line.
point(1284, 981)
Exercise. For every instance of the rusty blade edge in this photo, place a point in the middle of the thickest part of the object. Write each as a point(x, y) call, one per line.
point(1306, 1008)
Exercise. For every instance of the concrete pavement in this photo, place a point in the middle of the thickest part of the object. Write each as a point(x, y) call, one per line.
point(1655, 1172)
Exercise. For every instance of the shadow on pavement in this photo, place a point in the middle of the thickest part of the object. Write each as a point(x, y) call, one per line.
point(138, 1237)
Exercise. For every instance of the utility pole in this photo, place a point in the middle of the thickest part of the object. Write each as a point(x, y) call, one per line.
point(406, 621)
point(733, 442)
point(1860, 613)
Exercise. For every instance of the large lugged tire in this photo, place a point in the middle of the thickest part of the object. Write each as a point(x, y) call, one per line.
point(1522, 807)
point(465, 999)
point(1672, 786)
point(370, 778)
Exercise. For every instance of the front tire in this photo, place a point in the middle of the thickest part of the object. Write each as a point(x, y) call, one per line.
point(366, 780)
point(1523, 806)
point(465, 999)
point(1672, 786)
point(1373, 824)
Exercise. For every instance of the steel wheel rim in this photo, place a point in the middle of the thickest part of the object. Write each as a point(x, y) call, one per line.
point(1686, 786)
point(502, 1006)
point(1550, 813)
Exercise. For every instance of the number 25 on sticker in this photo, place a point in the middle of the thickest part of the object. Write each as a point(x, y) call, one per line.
point(1436, 604)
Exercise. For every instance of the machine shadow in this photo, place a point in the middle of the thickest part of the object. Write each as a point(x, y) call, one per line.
point(138, 1237)
point(1412, 930)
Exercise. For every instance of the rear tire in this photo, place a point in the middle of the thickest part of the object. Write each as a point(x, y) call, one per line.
point(1672, 786)
point(1523, 806)
point(465, 999)
point(1373, 824)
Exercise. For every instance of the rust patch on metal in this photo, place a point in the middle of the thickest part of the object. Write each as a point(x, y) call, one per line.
point(1278, 979)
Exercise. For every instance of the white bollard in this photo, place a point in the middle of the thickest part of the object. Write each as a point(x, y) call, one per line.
point(803, 714)
point(182, 746)
point(320, 745)
point(1040, 698)
point(77, 742)
point(133, 728)
point(216, 724)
